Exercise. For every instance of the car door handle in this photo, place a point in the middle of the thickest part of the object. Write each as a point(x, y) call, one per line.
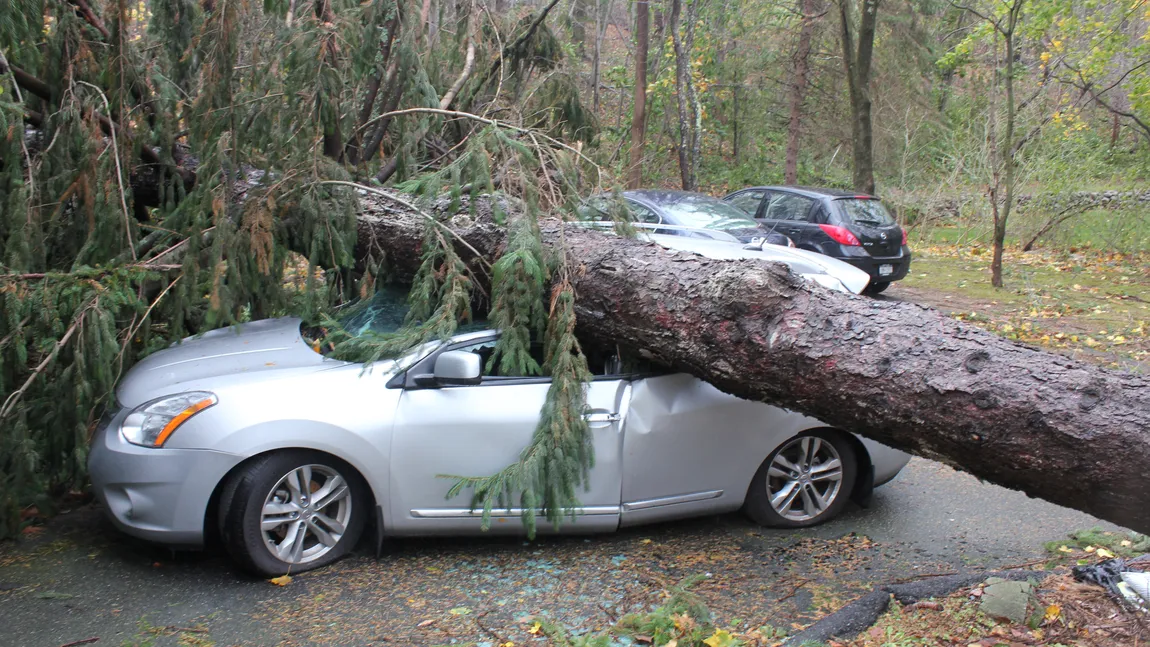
point(602, 417)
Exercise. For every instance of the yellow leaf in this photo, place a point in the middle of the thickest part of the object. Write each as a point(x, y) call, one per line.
point(282, 580)
point(1064, 549)
point(1102, 552)
point(1053, 611)
point(535, 628)
point(1126, 543)
point(1089, 549)
point(721, 638)
point(507, 644)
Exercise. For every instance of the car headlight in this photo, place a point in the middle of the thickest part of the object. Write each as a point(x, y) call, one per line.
point(151, 424)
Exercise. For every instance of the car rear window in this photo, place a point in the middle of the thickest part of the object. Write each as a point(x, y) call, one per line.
point(867, 213)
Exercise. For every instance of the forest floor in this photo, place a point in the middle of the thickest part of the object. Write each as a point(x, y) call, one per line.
point(1086, 303)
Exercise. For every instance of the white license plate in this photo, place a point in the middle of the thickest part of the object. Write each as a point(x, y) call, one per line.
point(885, 270)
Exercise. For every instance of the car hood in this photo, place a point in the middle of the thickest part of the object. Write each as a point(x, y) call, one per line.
point(810, 265)
point(256, 347)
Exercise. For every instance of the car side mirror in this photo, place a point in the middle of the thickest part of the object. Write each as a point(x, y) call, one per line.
point(458, 367)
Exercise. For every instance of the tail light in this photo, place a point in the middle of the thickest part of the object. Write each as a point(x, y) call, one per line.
point(904, 238)
point(840, 235)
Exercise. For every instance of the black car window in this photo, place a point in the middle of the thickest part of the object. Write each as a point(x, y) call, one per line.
point(642, 214)
point(747, 201)
point(820, 216)
point(865, 212)
point(788, 206)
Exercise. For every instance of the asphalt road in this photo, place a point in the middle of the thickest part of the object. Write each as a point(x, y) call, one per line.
point(78, 578)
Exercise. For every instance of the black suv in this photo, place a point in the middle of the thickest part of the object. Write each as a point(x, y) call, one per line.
point(851, 227)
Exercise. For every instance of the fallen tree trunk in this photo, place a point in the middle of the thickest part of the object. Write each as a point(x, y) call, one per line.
point(902, 374)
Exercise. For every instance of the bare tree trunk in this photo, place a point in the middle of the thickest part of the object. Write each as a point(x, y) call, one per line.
point(858, 70)
point(683, 94)
point(1009, 149)
point(602, 12)
point(798, 90)
point(373, 86)
point(332, 137)
point(902, 374)
point(639, 113)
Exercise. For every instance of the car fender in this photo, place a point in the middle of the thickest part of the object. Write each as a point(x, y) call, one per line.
point(368, 458)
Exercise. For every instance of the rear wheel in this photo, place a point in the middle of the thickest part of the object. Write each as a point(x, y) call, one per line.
point(875, 288)
point(806, 481)
point(293, 511)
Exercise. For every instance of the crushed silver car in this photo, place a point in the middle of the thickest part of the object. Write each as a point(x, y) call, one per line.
point(289, 455)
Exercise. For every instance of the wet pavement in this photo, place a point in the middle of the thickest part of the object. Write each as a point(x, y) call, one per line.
point(78, 578)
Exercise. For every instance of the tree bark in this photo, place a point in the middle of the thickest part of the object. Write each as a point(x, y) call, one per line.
point(373, 85)
point(639, 112)
point(684, 94)
point(857, 63)
point(902, 374)
point(798, 90)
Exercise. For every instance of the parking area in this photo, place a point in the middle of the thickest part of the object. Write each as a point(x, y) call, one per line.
point(78, 578)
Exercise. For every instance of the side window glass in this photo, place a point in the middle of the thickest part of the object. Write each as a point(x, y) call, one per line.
point(820, 216)
point(486, 351)
point(748, 201)
point(788, 206)
point(595, 210)
point(643, 214)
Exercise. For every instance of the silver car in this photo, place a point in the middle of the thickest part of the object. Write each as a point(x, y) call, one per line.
point(289, 455)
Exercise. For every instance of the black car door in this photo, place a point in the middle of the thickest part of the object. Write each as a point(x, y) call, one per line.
point(751, 201)
point(789, 213)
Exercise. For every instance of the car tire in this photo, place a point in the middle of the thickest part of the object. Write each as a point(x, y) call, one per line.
point(876, 288)
point(321, 502)
point(801, 458)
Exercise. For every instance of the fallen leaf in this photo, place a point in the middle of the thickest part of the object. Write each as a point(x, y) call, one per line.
point(1064, 549)
point(1102, 552)
point(282, 580)
point(535, 628)
point(1052, 612)
point(426, 623)
point(460, 611)
point(721, 638)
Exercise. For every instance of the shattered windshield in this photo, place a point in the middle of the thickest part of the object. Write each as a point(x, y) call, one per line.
point(385, 314)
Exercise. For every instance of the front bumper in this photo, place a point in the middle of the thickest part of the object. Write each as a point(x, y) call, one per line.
point(159, 495)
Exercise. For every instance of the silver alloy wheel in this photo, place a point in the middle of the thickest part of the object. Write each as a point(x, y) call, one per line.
point(805, 478)
point(306, 513)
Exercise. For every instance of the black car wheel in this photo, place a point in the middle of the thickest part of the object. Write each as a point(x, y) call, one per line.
point(875, 288)
point(293, 511)
point(806, 481)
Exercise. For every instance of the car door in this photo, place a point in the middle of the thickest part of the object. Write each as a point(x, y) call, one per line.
point(691, 449)
point(646, 219)
point(477, 431)
point(751, 201)
point(789, 213)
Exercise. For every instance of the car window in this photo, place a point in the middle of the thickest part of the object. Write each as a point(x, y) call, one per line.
point(600, 362)
point(486, 351)
point(640, 213)
point(868, 213)
point(747, 201)
point(704, 212)
point(596, 209)
point(788, 206)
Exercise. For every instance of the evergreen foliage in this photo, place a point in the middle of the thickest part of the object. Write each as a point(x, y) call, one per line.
point(165, 164)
